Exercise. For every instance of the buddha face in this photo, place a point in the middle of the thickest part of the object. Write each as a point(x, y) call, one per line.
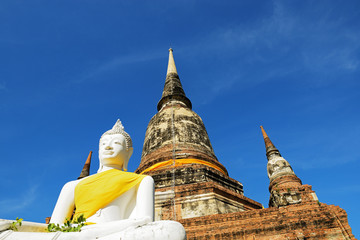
point(113, 152)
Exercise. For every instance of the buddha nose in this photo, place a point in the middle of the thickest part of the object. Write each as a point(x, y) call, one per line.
point(108, 148)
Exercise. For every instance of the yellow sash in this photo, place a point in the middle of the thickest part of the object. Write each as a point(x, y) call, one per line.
point(179, 162)
point(98, 190)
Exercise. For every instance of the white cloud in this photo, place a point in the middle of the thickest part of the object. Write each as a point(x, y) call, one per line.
point(317, 42)
point(310, 41)
point(116, 63)
point(19, 203)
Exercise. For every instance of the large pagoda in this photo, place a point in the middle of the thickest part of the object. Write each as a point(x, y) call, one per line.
point(194, 188)
point(177, 153)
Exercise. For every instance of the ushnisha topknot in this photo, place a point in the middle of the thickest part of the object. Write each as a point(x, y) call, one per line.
point(118, 128)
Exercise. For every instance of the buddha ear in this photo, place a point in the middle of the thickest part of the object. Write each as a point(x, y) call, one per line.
point(130, 152)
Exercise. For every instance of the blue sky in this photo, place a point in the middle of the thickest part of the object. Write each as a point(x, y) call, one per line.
point(70, 69)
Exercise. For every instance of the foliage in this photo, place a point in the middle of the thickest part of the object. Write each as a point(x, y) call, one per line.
point(13, 225)
point(68, 226)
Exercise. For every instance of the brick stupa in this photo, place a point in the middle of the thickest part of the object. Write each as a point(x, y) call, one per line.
point(194, 188)
point(189, 180)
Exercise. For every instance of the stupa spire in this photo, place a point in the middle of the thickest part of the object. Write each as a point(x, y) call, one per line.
point(171, 64)
point(270, 147)
point(86, 169)
point(176, 133)
point(173, 90)
point(285, 187)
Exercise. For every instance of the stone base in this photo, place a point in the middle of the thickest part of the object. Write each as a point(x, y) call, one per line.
point(159, 230)
point(197, 191)
point(300, 221)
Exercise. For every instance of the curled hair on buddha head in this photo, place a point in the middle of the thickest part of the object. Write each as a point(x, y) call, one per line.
point(118, 128)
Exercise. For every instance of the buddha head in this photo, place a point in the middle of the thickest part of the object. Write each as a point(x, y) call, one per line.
point(115, 148)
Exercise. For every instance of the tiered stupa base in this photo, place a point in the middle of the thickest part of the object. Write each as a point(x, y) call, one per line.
point(301, 221)
point(198, 191)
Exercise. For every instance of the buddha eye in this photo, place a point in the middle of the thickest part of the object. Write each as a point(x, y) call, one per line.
point(117, 143)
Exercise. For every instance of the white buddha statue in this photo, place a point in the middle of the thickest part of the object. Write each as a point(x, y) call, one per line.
point(116, 204)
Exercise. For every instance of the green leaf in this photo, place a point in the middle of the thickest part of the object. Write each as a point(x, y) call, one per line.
point(17, 222)
point(68, 226)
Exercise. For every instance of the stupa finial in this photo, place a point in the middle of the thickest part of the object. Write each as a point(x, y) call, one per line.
point(171, 64)
point(270, 147)
point(173, 90)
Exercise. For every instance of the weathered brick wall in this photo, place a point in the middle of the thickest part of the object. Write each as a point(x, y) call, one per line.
point(198, 191)
point(193, 173)
point(287, 190)
point(300, 221)
point(182, 151)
